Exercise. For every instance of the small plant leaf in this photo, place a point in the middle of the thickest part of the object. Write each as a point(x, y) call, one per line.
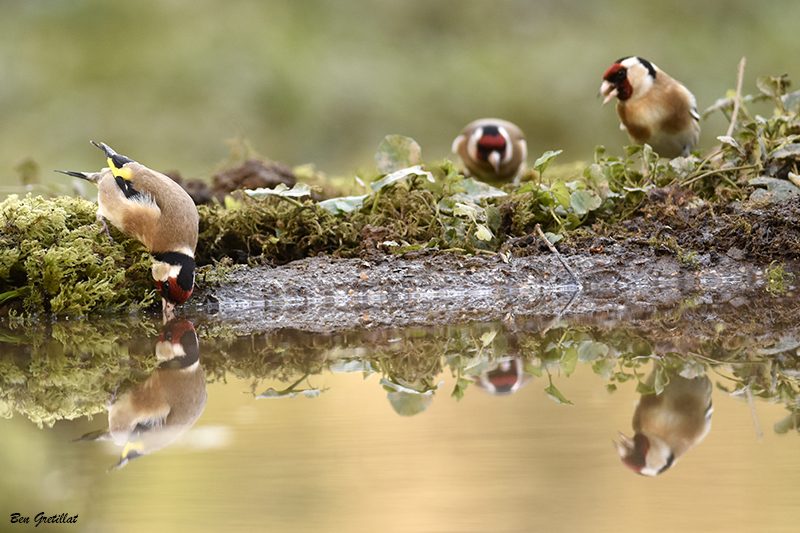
point(299, 190)
point(541, 164)
point(397, 152)
point(554, 394)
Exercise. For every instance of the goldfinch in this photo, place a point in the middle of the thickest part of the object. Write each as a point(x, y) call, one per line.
point(667, 425)
point(493, 150)
point(154, 413)
point(152, 208)
point(653, 107)
point(504, 377)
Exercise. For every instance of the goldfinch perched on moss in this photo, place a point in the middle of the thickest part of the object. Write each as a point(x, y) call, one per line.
point(493, 150)
point(152, 208)
point(653, 107)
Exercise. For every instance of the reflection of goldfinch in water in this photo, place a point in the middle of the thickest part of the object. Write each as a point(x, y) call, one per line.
point(153, 414)
point(667, 425)
point(152, 208)
point(493, 150)
point(653, 107)
point(505, 377)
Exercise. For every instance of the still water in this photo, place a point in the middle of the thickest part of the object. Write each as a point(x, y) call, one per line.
point(506, 426)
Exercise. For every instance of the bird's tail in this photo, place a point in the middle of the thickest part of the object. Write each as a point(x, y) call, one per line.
point(94, 177)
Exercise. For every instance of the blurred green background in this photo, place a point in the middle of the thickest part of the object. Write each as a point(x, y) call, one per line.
point(322, 81)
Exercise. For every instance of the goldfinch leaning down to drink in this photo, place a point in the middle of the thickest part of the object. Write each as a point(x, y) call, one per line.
point(153, 209)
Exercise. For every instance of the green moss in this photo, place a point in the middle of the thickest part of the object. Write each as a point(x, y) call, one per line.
point(58, 371)
point(55, 259)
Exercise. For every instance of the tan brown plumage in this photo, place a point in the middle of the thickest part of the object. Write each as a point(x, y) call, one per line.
point(152, 208)
point(154, 413)
point(171, 229)
point(653, 107)
point(492, 149)
point(667, 425)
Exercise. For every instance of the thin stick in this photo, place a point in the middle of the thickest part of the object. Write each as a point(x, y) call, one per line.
point(750, 401)
point(738, 97)
point(558, 255)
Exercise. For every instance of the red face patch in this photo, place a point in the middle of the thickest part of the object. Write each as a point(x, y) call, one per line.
point(617, 75)
point(491, 143)
point(172, 292)
point(612, 71)
point(174, 330)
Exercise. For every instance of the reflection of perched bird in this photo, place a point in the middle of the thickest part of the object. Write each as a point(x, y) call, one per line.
point(492, 149)
point(653, 107)
point(505, 377)
point(152, 208)
point(667, 425)
point(154, 413)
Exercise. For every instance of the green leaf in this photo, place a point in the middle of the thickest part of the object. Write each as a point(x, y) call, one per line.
point(790, 422)
point(272, 394)
point(541, 164)
point(345, 204)
point(786, 152)
point(589, 351)
point(400, 175)
point(556, 395)
point(397, 152)
point(300, 189)
point(467, 210)
point(553, 237)
point(483, 233)
point(533, 370)
point(604, 368)
point(661, 380)
point(643, 388)
point(777, 189)
point(569, 361)
point(584, 201)
point(791, 102)
point(476, 190)
point(610, 387)
point(560, 193)
point(488, 337)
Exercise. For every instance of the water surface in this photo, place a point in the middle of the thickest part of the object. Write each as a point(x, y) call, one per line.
point(363, 431)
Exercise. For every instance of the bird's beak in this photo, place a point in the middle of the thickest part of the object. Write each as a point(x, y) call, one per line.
point(625, 446)
point(494, 159)
point(168, 310)
point(608, 90)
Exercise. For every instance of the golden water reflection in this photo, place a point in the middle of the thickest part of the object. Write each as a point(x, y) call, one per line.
point(302, 430)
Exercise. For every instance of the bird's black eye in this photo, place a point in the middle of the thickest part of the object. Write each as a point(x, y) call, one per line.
point(165, 290)
point(620, 75)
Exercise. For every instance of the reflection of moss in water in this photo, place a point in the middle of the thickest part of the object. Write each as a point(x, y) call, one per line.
point(54, 259)
point(58, 371)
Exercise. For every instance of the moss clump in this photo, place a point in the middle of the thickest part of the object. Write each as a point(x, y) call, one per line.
point(59, 371)
point(55, 259)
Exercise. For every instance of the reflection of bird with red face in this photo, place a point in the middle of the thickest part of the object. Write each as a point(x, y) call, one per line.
point(154, 413)
point(505, 377)
point(493, 150)
point(653, 107)
point(152, 208)
point(667, 425)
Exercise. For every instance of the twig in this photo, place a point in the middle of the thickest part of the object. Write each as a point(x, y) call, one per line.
point(558, 255)
point(718, 171)
point(738, 97)
point(750, 401)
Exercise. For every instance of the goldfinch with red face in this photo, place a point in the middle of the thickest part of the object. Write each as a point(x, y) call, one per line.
point(493, 150)
point(154, 413)
point(153, 209)
point(653, 107)
point(667, 425)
